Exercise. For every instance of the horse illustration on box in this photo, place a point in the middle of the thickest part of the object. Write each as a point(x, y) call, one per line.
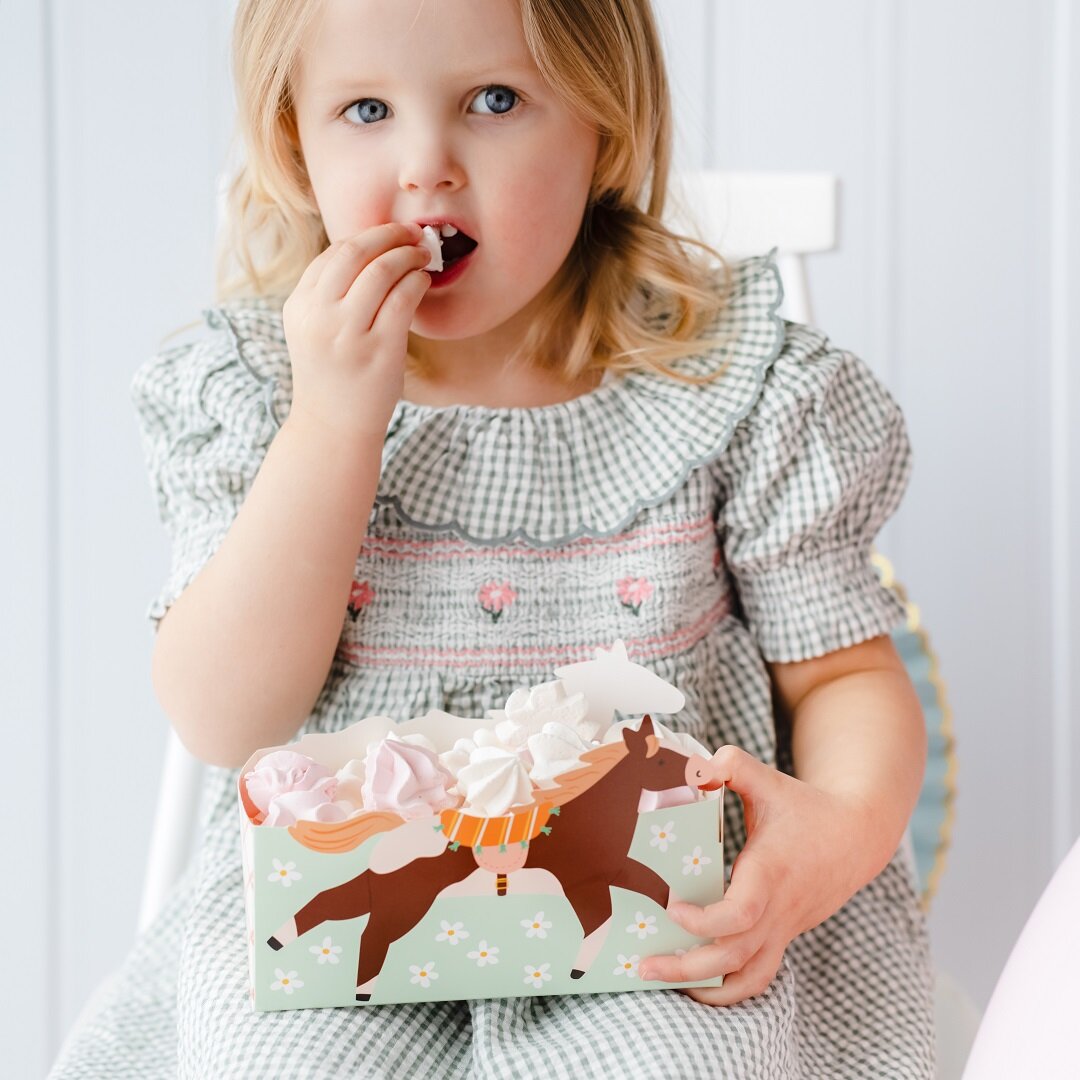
point(583, 854)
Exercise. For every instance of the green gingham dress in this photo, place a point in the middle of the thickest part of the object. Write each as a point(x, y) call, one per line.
point(711, 528)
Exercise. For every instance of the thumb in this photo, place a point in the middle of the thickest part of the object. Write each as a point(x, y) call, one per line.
point(733, 767)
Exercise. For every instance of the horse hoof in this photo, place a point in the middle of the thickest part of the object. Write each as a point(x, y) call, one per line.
point(576, 973)
point(273, 943)
point(363, 997)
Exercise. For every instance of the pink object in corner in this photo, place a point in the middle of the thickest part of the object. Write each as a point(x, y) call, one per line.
point(1029, 1028)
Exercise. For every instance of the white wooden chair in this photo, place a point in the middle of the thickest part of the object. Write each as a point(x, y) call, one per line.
point(741, 214)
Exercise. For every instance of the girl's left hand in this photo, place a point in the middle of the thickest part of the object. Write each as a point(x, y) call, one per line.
point(807, 852)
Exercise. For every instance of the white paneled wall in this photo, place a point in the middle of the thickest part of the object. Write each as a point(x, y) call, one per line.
point(956, 134)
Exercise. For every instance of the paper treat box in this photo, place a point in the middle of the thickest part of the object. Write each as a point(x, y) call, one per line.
point(563, 896)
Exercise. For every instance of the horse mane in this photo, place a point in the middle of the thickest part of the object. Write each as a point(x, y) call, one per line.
point(339, 836)
point(600, 761)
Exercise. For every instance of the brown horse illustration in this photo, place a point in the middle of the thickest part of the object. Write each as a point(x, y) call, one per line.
point(585, 848)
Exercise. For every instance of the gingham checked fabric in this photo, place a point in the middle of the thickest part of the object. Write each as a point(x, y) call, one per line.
point(710, 528)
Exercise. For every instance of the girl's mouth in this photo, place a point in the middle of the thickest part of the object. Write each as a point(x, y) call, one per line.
point(452, 268)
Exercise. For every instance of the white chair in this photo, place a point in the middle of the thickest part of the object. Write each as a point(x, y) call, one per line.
point(741, 214)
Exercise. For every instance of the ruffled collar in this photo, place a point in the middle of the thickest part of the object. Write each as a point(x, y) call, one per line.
point(585, 467)
point(588, 466)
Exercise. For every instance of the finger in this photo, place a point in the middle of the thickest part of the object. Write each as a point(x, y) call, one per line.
point(702, 961)
point(742, 772)
point(753, 979)
point(739, 910)
point(349, 257)
point(375, 282)
point(396, 313)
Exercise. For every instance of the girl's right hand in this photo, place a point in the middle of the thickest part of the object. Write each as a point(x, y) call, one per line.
point(347, 324)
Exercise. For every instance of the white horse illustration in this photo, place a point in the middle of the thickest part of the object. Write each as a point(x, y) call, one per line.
point(612, 681)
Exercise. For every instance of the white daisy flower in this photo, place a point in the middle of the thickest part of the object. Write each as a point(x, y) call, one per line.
point(693, 862)
point(627, 966)
point(536, 926)
point(484, 954)
point(327, 952)
point(643, 925)
point(423, 974)
point(662, 835)
point(537, 975)
point(286, 981)
point(452, 932)
point(286, 873)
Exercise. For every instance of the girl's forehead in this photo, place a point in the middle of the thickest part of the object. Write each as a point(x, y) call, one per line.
point(386, 41)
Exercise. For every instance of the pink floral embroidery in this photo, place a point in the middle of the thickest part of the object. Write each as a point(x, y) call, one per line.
point(495, 597)
point(360, 596)
point(633, 592)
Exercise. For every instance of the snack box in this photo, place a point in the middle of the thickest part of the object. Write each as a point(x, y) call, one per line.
point(564, 896)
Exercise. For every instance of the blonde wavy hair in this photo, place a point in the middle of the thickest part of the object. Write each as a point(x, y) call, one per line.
point(632, 295)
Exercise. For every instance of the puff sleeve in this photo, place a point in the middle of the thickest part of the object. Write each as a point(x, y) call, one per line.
point(811, 474)
point(206, 419)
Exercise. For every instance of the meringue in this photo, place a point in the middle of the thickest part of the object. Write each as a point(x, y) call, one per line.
point(554, 750)
point(314, 804)
point(433, 242)
point(281, 772)
point(529, 709)
point(494, 781)
point(406, 779)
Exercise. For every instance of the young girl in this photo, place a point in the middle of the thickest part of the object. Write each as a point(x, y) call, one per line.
point(390, 490)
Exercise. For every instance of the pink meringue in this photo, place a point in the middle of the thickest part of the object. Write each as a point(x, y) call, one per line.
point(281, 772)
point(314, 804)
point(406, 779)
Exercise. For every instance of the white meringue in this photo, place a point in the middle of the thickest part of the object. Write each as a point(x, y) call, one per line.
point(350, 778)
point(528, 709)
point(494, 781)
point(554, 749)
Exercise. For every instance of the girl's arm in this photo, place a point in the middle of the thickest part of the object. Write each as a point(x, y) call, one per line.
point(241, 656)
point(858, 730)
point(813, 840)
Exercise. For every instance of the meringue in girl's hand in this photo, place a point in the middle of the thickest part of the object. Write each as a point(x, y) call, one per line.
point(405, 778)
point(281, 772)
point(494, 781)
point(529, 709)
point(554, 749)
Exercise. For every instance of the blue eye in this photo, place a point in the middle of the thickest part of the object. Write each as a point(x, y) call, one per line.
point(499, 100)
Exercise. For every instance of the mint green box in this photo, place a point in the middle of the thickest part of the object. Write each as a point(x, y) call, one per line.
point(564, 898)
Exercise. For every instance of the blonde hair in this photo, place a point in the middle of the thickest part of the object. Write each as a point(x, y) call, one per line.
point(629, 297)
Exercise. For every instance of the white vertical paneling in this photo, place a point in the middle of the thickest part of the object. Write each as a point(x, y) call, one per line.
point(28, 597)
point(1066, 290)
point(972, 351)
point(684, 27)
point(140, 111)
point(1064, 407)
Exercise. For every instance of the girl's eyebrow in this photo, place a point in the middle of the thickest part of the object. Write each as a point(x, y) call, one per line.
point(489, 70)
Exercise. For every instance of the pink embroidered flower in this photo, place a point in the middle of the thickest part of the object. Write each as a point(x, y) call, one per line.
point(360, 596)
point(633, 592)
point(495, 597)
